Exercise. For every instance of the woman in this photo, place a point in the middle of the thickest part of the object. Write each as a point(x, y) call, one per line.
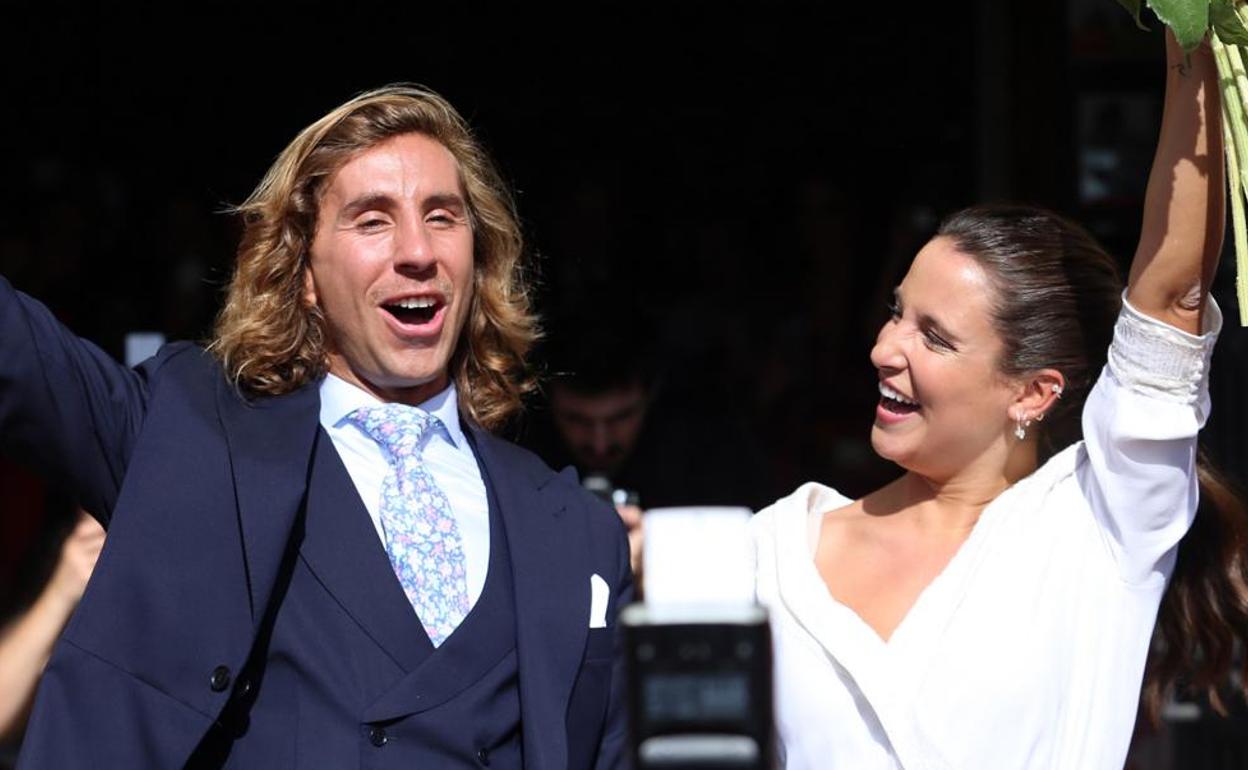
point(992, 608)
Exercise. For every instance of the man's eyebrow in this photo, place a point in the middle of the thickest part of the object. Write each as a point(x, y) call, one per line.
point(366, 202)
point(447, 200)
point(380, 200)
point(624, 411)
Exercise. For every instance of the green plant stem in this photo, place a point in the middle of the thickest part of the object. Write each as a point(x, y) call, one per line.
point(1234, 85)
point(1237, 156)
point(1233, 112)
point(1239, 227)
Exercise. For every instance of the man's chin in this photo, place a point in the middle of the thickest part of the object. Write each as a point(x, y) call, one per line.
point(396, 384)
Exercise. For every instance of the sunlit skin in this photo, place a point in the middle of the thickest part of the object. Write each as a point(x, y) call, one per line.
point(599, 429)
point(392, 228)
point(938, 348)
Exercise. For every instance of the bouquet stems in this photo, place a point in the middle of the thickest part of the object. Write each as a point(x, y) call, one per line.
point(1234, 82)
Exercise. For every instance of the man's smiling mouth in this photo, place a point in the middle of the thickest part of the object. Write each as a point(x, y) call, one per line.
point(413, 311)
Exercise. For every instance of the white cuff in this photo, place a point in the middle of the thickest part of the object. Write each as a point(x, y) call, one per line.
point(1157, 360)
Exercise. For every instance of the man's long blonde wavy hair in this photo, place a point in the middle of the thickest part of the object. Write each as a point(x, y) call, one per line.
point(271, 341)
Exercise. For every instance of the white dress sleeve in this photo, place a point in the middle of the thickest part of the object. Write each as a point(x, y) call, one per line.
point(1139, 427)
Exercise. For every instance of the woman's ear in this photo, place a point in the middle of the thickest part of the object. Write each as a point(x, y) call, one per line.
point(1038, 396)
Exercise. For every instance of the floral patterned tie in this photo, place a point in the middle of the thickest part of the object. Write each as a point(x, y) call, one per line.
point(422, 537)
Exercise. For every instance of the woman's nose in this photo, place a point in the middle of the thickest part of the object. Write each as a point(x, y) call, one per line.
point(887, 351)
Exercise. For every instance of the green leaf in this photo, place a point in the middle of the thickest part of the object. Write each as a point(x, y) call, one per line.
point(1188, 18)
point(1227, 24)
point(1134, 7)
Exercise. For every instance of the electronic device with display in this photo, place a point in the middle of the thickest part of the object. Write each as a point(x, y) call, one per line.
point(699, 648)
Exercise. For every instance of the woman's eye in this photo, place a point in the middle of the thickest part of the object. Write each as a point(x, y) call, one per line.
point(894, 310)
point(934, 340)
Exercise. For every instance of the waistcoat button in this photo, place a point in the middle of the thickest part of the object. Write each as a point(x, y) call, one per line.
point(220, 679)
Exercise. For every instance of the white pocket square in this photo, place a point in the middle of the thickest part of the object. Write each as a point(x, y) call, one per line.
point(599, 594)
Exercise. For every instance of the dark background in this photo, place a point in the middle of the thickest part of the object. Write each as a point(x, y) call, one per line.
point(750, 178)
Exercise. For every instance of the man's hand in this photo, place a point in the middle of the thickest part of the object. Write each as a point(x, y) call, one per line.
point(631, 516)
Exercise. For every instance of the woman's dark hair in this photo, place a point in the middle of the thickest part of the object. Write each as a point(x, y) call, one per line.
point(1058, 294)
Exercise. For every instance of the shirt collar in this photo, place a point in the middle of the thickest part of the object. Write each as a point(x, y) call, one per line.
point(340, 398)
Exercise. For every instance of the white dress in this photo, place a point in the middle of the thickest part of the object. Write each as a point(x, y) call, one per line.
point(1028, 650)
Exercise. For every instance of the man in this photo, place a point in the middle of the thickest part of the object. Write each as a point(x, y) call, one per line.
point(613, 414)
point(599, 396)
point(301, 569)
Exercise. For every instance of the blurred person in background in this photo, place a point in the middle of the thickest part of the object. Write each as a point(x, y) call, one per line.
point(607, 412)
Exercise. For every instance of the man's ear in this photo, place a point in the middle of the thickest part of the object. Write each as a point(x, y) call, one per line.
point(1038, 395)
point(309, 285)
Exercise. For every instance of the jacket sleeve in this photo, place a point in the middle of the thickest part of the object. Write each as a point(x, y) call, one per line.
point(67, 409)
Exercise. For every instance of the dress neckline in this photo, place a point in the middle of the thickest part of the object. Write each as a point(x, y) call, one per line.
point(943, 590)
point(889, 673)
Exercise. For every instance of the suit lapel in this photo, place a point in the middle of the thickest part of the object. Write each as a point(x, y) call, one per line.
point(270, 442)
point(550, 569)
point(342, 549)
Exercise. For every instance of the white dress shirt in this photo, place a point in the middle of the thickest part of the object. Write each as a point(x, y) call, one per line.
point(1028, 650)
point(446, 453)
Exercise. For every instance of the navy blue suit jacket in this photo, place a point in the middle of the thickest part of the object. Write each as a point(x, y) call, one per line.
point(199, 489)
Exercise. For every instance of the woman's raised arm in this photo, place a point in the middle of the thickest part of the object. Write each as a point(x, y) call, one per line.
point(1181, 237)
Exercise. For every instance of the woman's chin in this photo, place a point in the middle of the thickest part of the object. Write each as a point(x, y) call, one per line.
point(893, 448)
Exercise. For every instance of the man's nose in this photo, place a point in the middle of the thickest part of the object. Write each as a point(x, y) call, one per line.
point(414, 247)
point(601, 438)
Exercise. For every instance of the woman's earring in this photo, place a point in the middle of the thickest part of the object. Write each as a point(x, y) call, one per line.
point(1057, 390)
point(1020, 427)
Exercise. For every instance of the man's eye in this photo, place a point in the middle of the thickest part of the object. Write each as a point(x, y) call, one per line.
point(894, 310)
point(371, 223)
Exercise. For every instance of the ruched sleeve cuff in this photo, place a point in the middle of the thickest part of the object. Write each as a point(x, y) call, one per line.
point(1157, 360)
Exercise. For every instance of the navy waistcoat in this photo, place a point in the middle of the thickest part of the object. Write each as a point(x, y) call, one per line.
point(343, 674)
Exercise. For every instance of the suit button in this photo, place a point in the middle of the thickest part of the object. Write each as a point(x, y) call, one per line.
point(483, 756)
point(220, 679)
point(377, 736)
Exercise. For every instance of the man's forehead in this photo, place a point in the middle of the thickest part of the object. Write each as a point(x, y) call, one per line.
point(403, 166)
point(601, 404)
